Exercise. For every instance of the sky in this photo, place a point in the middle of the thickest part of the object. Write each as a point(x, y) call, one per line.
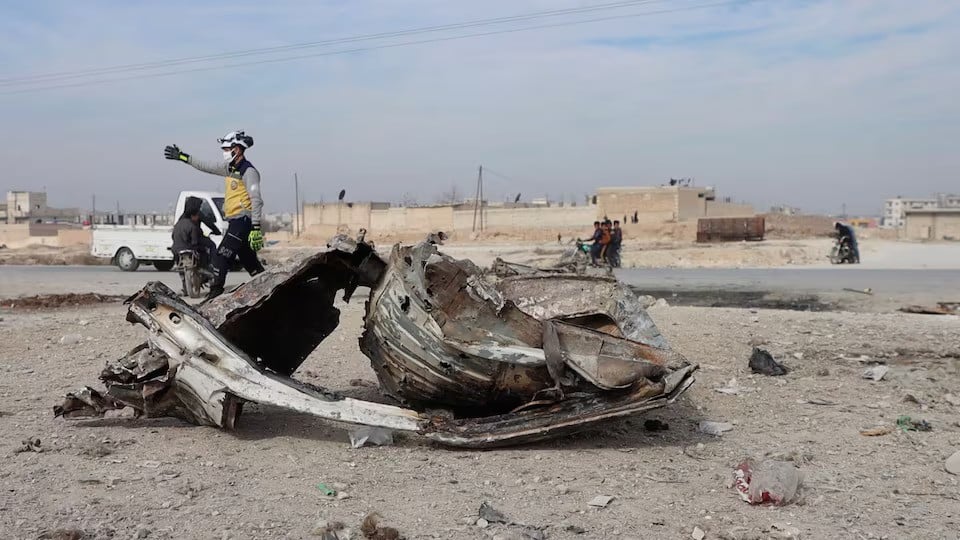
point(811, 103)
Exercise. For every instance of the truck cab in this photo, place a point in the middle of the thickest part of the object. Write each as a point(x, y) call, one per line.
point(129, 246)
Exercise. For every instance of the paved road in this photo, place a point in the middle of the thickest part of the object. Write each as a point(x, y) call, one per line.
point(891, 288)
point(755, 287)
point(30, 280)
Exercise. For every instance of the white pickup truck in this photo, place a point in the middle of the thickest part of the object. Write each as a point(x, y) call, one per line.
point(129, 246)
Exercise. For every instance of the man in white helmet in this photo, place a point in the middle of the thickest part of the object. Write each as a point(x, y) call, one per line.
point(242, 205)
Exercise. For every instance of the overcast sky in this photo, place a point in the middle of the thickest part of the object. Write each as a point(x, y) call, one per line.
point(812, 103)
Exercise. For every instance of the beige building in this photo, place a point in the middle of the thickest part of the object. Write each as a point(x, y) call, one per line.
point(666, 204)
point(932, 224)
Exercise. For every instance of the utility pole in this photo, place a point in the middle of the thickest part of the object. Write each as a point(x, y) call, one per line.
point(118, 213)
point(476, 200)
point(296, 197)
point(93, 216)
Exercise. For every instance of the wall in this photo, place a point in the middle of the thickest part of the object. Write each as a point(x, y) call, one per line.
point(933, 226)
point(653, 203)
point(798, 226)
point(725, 209)
point(10, 234)
point(74, 237)
point(691, 204)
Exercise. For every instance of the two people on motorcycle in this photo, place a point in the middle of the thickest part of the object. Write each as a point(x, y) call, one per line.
point(242, 207)
point(847, 236)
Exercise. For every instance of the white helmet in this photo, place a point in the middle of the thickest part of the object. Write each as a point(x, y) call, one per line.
point(235, 138)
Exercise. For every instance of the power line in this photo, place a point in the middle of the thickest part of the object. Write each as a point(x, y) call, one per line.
point(375, 47)
point(66, 75)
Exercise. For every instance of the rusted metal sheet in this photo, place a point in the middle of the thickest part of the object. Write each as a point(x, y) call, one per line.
point(734, 229)
point(513, 360)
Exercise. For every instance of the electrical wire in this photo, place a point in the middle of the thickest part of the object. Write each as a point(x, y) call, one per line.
point(49, 77)
point(376, 47)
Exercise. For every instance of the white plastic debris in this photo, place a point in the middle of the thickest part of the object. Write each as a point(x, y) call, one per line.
point(71, 339)
point(371, 436)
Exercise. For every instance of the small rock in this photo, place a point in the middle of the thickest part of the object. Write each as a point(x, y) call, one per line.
point(83, 322)
point(563, 489)
point(482, 523)
point(762, 362)
point(600, 501)
point(784, 531)
point(953, 463)
point(143, 532)
point(698, 534)
point(823, 372)
point(661, 303)
point(952, 399)
point(343, 495)
point(71, 339)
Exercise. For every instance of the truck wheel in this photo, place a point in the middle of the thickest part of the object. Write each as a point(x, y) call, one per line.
point(126, 260)
point(163, 266)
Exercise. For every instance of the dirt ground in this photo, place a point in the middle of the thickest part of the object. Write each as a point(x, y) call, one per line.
point(127, 478)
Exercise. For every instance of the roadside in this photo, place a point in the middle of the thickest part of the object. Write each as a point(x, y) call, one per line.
point(122, 477)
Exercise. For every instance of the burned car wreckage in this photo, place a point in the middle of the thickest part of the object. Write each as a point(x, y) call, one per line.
point(473, 358)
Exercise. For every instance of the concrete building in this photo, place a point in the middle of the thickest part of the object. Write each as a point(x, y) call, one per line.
point(932, 223)
point(31, 207)
point(895, 210)
point(666, 204)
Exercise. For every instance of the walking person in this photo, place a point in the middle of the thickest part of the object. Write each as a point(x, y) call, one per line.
point(242, 206)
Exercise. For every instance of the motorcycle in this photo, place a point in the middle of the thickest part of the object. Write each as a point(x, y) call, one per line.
point(193, 275)
point(842, 252)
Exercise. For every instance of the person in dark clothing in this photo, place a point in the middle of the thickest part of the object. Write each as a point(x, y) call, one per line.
point(605, 239)
point(845, 233)
point(616, 239)
point(596, 247)
point(187, 234)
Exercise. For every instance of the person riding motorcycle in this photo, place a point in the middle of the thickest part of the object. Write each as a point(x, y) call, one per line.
point(845, 233)
point(242, 207)
point(187, 233)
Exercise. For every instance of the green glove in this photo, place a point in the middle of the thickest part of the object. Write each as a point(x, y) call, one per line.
point(172, 152)
point(256, 239)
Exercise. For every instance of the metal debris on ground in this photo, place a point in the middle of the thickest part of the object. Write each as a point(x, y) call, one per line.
point(769, 481)
point(370, 436)
point(942, 308)
point(905, 423)
point(867, 291)
point(491, 514)
point(541, 354)
point(714, 428)
point(762, 362)
point(600, 501)
point(876, 431)
point(29, 445)
point(876, 373)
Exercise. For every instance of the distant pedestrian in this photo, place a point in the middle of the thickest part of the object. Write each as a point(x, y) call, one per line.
point(616, 240)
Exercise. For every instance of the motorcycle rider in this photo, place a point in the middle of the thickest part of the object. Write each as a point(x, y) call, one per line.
point(845, 233)
point(242, 207)
point(187, 234)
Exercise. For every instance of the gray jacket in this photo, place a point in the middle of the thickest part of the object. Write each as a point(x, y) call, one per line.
point(251, 179)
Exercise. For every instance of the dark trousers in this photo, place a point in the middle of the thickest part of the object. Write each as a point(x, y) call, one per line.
point(235, 245)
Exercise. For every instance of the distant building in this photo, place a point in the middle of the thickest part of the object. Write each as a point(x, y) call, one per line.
point(785, 210)
point(666, 203)
point(31, 207)
point(932, 223)
point(895, 210)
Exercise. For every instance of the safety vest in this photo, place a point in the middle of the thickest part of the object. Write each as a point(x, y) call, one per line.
point(236, 198)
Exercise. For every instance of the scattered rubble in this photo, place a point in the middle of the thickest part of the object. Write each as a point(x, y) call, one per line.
point(952, 464)
point(876, 373)
point(370, 436)
point(762, 362)
point(523, 349)
point(905, 423)
point(942, 308)
point(29, 445)
point(55, 301)
point(769, 481)
point(714, 428)
point(490, 514)
point(600, 501)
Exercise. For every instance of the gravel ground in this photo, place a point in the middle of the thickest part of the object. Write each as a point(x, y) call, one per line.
point(127, 478)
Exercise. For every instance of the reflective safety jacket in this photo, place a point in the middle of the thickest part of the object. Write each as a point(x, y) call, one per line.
point(241, 193)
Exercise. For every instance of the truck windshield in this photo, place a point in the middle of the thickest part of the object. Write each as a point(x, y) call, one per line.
point(207, 215)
